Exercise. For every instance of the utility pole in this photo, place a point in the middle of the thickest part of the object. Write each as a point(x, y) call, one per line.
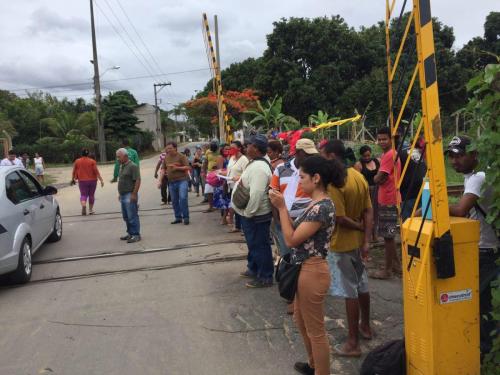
point(97, 88)
point(222, 131)
point(157, 111)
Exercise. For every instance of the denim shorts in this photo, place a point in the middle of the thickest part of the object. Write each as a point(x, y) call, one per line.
point(348, 273)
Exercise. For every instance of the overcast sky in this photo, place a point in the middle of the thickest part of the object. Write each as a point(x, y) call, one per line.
point(47, 43)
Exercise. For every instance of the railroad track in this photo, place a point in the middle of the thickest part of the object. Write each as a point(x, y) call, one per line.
point(455, 190)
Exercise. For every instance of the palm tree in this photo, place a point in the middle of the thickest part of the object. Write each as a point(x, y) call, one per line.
point(65, 123)
point(271, 116)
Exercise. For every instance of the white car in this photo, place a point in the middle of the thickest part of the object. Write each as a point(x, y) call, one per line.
point(29, 216)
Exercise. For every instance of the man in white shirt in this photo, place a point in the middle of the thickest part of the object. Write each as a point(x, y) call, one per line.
point(11, 160)
point(475, 204)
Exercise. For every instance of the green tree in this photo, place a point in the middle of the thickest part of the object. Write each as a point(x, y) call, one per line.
point(271, 116)
point(484, 106)
point(119, 119)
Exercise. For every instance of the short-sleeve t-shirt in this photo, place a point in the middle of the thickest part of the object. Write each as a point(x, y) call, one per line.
point(351, 201)
point(212, 158)
point(318, 244)
point(473, 184)
point(129, 174)
point(286, 180)
point(85, 169)
point(235, 168)
point(387, 193)
point(179, 160)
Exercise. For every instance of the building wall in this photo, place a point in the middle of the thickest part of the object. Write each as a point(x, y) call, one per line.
point(146, 115)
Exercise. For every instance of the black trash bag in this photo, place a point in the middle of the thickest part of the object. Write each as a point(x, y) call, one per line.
point(386, 359)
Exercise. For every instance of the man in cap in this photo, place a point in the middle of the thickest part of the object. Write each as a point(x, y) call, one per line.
point(475, 203)
point(256, 216)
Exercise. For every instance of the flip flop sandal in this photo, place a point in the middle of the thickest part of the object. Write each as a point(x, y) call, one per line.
point(340, 352)
point(234, 231)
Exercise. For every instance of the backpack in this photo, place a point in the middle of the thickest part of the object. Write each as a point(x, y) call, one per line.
point(386, 359)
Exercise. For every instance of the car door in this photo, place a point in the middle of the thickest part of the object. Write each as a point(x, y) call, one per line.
point(26, 205)
point(45, 218)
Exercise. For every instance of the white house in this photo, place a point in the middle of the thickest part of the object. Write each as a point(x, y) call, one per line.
point(149, 119)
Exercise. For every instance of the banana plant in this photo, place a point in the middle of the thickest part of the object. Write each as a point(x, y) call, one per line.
point(271, 116)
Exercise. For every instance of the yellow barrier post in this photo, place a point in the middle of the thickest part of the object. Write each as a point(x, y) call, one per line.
point(439, 255)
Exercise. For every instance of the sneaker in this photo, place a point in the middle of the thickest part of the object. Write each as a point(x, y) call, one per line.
point(125, 238)
point(259, 284)
point(303, 368)
point(186, 221)
point(247, 274)
point(176, 221)
point(84, 211)
point(133, 239)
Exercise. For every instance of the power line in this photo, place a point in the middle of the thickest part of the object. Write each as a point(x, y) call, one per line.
point(107, 81)
point(129, 36)
point(150, 66)
point(123, 40)
point(139, 36)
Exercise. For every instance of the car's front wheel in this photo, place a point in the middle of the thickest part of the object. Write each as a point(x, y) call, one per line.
point(24, 267)
point(56, 234)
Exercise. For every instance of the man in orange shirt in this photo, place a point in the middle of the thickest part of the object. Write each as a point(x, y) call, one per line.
point(86, 173)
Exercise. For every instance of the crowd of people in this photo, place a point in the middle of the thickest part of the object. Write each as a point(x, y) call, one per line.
point(23, 160)
point(325, 207)
point(319, 204)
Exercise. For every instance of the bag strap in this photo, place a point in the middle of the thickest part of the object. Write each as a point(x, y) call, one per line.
point(264, 160)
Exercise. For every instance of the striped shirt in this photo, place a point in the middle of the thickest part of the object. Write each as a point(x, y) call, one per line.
point(286, 179)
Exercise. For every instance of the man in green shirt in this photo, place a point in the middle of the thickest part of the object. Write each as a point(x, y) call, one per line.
point(133, 156)
point(128, 188)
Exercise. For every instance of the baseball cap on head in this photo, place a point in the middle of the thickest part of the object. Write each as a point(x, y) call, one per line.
point(458, 145)
point(259, 140)
point(307, 145)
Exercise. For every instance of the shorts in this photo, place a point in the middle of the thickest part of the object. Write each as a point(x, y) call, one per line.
point(348, 272)
point(39, 170)
point(209, 189)
point(388, 221)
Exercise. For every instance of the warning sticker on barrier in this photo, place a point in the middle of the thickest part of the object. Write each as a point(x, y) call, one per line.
point(456, 296)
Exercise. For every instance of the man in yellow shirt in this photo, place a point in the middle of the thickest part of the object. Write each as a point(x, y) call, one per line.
point(349, 249)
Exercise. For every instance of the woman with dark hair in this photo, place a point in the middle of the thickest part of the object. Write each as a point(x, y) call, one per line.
point(86, 173)
point(197, 163)
point(368, 166)
point(222, 199)
point(213, 161)
point(237, 164)
point(309, 237)
point(274, 151)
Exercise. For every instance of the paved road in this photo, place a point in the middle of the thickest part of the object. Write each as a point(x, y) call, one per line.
point(170, 304)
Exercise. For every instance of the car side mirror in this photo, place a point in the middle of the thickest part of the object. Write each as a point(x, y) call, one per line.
point(49, 190)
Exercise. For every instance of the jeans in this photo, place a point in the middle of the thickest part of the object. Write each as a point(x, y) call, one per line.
point(260, 256)
point(196, 180)
point(279, 240)
point(237, 221)
point(165, 194)
point(179, 193)
point(130, 214)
